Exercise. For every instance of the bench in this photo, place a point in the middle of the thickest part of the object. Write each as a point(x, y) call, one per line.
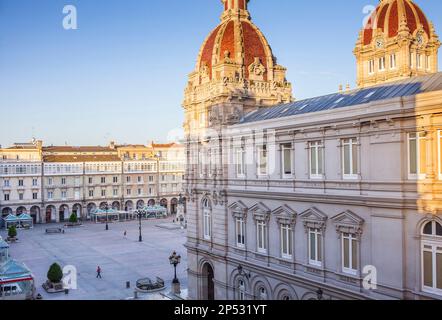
point(54, 230)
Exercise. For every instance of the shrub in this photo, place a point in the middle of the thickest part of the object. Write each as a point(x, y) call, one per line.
point(55, 274)
point(73, 218)
point(12, 232)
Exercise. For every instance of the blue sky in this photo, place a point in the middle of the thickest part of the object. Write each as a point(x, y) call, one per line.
point(121, 75)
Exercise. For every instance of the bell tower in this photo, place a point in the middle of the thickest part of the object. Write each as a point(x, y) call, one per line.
point(398, 42)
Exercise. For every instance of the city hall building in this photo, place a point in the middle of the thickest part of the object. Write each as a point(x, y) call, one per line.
point(333, 197)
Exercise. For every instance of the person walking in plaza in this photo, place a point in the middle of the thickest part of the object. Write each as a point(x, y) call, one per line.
point(99, 272)
point(125, 234)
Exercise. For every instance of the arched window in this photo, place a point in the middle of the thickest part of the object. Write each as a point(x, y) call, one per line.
point(207, 219)
point(432, 257)
point(241, 290)
point(262, 293)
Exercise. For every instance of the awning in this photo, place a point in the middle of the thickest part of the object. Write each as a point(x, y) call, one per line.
point(11, 218)
point(16, 280)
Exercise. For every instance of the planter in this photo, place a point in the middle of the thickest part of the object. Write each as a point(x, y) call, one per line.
point(12, 239)
point(53, 287)
point(73, 225)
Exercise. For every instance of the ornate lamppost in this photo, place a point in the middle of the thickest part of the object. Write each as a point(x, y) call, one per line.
point(175, 260)
point(140, 238)
point(106, 207)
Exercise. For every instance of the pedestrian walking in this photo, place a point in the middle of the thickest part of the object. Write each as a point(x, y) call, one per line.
point(98, 272)
point(125, 234)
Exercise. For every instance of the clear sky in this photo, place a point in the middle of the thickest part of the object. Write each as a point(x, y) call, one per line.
point(121, 75)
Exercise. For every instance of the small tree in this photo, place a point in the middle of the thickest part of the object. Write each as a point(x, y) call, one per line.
point(55, 274)
point(73, 218)
point(12, 232)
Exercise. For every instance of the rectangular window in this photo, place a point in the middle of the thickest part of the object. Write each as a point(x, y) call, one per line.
point(316, 160)
point(349, 253)
point(128, 192)
point(63, 194)
point(417, 155)
point(128, 179)
point(103, 180)
point(90, 180)
point(139, 179)
point(20, 183)
point(439, 139)
point(77, 194)
point(150, 178)
point(315, 247)
point(382, 64)
point(34, 196)
point(91, 193)
point(20, 196)
point(419, 61)
point(286, 241)
point(6, 196)
point(115, 180)
point(240, 162)
point(240, 233)
point(115, 192)
point(393, 61)
point(428, 63)
point(103, 193)
point(350, 158)
point(262, 160)
point(371, 67)
point(207, 224)
point(140, 192)
point(432, 267)
point(6, 183)
point(50, 195)
point(261, 236)
point(34, 182)
point(287, 166)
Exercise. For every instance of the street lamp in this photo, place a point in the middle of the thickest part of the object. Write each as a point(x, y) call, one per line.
point(140, 239)
point(106, 207)
point(175, 260)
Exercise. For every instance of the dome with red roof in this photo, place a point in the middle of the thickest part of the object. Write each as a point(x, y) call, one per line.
point(391, 14)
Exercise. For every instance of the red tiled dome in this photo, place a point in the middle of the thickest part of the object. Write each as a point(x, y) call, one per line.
point(388, 16)
point(238, 39)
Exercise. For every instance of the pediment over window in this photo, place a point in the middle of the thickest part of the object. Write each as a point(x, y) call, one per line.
point(348, 222)
point(314, 218)
point(238, 209)
point(285, 215)
point(260, 211)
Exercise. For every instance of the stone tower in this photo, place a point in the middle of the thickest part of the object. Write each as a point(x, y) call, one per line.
point(397, 42)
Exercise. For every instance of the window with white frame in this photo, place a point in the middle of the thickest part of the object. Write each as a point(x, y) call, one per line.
point(262, 160)
point(63, 181)
point(350, 158)
point(50, 195)
point(419, 61)
point(91, 193)
point(6, 183)
point(240, 233)
point(370, 66)
point(417, 155)
point(432, 257)
point(207, 219)
point(34, 182)
point(103, 193)
point(63, 194)
point(316, 160)
point(261, 235)
point(287, 165)
point(349, 248)
point(241, 290)
point(439, 141)
point(315, 247)
point(382, 64)
point(50, 181)
point(6, 197)
point(240, 162)
point(393, 63)
point(286, 241)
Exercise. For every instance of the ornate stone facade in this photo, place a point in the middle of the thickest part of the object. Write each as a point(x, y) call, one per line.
point(306, 199)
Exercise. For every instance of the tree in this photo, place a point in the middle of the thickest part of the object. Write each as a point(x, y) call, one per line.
point(55, 274)
point(12, 232)
point(73, 218)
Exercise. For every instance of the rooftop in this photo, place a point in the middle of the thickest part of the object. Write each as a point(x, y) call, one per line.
point(403, 88)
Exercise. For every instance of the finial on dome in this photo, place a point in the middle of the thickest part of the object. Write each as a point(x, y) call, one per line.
point(235, 4)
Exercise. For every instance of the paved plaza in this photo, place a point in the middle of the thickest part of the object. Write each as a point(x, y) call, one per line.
point(121, 259)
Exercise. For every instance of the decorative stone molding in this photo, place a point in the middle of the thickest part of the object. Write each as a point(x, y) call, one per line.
point(285, 215)
point(239, 210)
point(260, 212)
point(348, 222)
point(313, 218)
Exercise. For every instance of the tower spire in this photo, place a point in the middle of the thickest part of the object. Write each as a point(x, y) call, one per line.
point(235, 5)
